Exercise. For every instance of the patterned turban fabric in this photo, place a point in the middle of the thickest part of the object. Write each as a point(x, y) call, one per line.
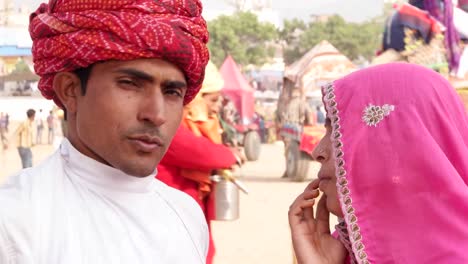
point(72, 34)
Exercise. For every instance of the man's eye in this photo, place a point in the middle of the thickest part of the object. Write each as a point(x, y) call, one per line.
point(175, 92)
point(126, 82)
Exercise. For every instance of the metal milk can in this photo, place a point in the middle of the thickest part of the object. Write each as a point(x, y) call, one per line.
point(224, 196)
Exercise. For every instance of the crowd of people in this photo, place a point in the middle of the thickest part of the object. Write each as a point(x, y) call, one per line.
point(131, 180)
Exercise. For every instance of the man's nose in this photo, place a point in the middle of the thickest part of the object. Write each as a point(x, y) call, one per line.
point(153, 108)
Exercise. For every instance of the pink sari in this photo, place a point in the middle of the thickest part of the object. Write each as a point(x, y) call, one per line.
point(402, 165)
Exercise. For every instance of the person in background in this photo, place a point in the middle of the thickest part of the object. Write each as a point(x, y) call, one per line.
point(7, 122)
point(40, 122)
point(3, 121)
point(293, 119)
point(320, 116)
point(59, 133)
point(24, 139)
point(229, 118)
point(3, 131)
point(259, 119)
point(51, 127)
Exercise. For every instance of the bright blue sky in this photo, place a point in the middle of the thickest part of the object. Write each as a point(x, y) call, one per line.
point(352, 10)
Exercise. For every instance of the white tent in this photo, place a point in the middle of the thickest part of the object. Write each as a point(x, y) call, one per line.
point(323, 63)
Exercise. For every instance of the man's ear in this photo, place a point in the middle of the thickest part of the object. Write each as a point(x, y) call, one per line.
point(67, 87)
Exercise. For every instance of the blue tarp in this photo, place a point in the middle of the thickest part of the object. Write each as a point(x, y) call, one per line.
point(7, 51)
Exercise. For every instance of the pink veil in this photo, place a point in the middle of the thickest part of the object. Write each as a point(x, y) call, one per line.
point(400, 138)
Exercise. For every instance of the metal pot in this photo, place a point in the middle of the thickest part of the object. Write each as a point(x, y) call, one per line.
point(224, 198)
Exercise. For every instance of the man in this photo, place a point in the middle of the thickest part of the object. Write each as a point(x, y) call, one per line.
point(122, 70)
point(39, 126)
point(3, 132)
point(24, 139)
point(320, 115)
point(293, 120)
point(228, 118)
point(2, 121)
point(51, 127)
point(7, 121)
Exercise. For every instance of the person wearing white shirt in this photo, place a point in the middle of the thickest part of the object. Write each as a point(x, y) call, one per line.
point(40, 123)
point(122, 81)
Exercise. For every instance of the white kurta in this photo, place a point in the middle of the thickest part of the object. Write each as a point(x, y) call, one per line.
point(72, 209)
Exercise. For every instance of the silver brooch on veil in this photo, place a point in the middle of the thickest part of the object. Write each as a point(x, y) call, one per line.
point(374, 114)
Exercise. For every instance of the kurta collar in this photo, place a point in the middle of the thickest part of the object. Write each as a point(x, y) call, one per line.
point(100, 174)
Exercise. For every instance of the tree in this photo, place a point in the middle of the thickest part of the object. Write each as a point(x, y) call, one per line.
point(289, 38)
point(21, 66)
point(352, 39)
point(242, 36)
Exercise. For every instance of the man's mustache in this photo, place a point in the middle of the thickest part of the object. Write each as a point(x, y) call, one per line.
point(147, 130)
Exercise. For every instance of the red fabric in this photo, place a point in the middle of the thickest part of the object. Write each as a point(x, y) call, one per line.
point(190, 152)
point(311, 136)
point(72, 34)
point(187, 151)
point(421, 17)
point(237, 88)
point(209, 129)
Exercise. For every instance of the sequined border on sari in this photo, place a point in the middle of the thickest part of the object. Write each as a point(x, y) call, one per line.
point(344, 193)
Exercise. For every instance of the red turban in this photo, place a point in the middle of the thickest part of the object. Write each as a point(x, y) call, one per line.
point(72, 34)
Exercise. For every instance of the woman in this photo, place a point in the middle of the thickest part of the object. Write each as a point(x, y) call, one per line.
point(394, 169)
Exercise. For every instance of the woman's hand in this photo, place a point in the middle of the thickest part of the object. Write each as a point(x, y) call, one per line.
point(311, 236)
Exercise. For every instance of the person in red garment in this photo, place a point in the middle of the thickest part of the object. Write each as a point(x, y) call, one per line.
point(196, 150)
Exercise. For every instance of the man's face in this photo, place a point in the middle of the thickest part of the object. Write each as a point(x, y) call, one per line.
point(130, 113)
point(213, 101)
point(323, 153)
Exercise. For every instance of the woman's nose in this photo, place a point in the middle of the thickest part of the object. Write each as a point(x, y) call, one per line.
point(320, 152)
